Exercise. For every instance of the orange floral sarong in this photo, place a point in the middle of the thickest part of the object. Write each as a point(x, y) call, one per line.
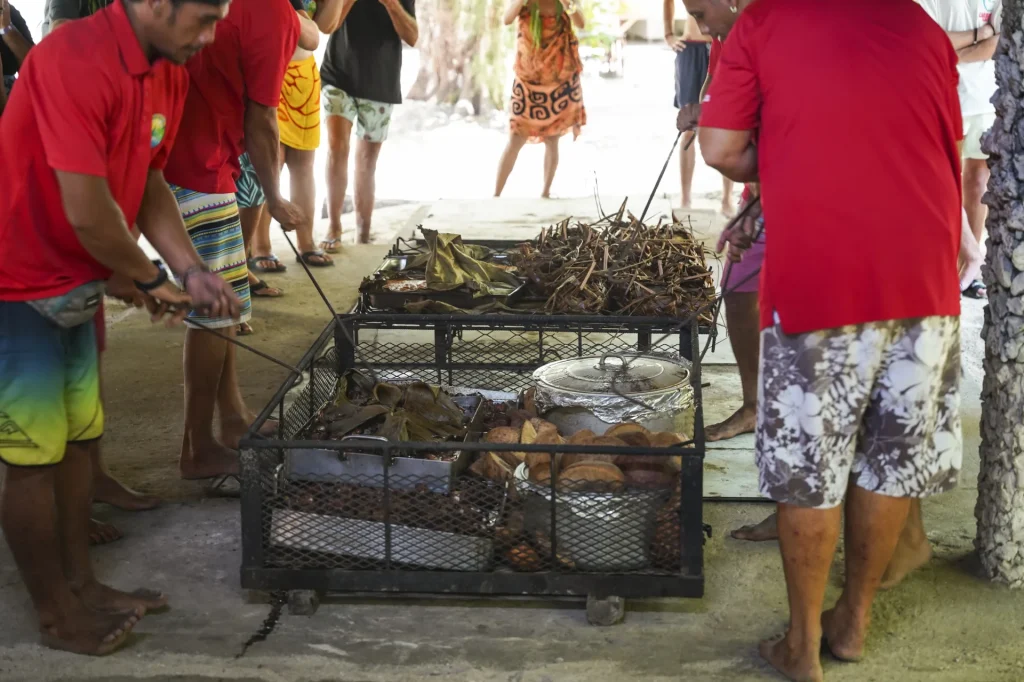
point(547, 100)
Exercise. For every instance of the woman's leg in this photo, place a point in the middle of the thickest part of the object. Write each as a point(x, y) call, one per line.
point(508, 161)
point(303, 192)
point(550, 164)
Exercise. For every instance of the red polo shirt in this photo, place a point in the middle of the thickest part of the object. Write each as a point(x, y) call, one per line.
point(113, 115)
point(858, 119)
point(247, 61)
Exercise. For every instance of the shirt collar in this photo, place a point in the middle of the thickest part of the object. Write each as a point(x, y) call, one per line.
point(135, 60)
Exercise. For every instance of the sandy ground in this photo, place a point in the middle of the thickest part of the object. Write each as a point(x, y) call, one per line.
point(942, 625)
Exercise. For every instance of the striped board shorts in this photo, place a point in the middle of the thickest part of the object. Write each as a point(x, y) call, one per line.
point(216, 233)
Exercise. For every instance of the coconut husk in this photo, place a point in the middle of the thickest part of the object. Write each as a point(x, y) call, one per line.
point(587, 476)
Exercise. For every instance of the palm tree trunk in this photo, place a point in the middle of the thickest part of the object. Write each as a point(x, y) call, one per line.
point(1000, 506)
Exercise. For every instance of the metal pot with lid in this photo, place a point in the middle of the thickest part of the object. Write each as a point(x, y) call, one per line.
point(598, 392)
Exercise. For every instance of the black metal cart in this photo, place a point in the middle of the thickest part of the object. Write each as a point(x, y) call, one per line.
point(384, 531)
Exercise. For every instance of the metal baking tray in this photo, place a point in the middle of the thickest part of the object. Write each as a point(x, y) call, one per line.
point(367, 469)
point(368, 540)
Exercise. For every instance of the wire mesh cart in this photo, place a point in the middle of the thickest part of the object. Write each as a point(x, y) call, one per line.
point(362, 515)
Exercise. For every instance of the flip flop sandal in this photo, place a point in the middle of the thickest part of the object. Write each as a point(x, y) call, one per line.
point(314, 259)
point(263, 290)
point(259, 264)
point(228, 485)
point(331, 245)
point(244, 329)
point(976, 290)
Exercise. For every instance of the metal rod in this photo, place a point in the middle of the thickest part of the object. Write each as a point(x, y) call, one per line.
point(294, 370)
point(663, 169)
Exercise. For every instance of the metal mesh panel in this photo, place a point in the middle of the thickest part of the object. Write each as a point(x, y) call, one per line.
point(329, 507)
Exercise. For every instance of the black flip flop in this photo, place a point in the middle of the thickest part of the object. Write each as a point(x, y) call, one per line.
point(261, 286)
point(309, 255)
point(976, 290)
point(274, 267)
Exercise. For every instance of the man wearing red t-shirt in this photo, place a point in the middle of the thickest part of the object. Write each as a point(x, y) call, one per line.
point(82, 148)
point(860, 365)
point(231, 108)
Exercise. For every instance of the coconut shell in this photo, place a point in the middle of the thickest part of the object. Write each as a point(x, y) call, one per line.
point(528, 434)
point(591, 475)
point(541, 472)
point(666, 439)
point(582, 437)
point(618, 430)
point(518, 417)
point(523, 557)
point(604, 441)
point(636, 439)
point(642, 478)
point(502, 434)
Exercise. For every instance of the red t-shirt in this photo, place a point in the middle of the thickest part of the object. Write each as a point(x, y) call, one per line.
point(247, 61)
point(716, 53)
point(113, 115)
point(858, 121)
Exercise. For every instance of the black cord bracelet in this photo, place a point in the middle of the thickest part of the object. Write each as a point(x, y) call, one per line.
point(161, 279)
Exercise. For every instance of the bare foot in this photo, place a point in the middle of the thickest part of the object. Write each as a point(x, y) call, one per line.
point(104, 599)
point(761, 532)
point(794, 665)
point(843, 637)
point(210, 461)
point(686, 203)
point(233, 429)
point(905, 560)
point(102, 533)
point(743, 420)
point(89, 633)
point(116, 494)
point(727, 209)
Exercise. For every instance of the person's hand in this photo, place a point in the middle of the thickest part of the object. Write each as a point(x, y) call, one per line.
point(739, 233)
point(675, 42)
point(123, 289)
point(687, 118)
point(290, 215)
point(168, 303)
point(212, 295)
point(5, 13)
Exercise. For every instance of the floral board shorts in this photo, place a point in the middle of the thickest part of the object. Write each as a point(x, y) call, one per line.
point(875, 404)
point(372, 119)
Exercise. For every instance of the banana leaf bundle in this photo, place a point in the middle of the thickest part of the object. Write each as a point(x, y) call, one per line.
point(414, 412)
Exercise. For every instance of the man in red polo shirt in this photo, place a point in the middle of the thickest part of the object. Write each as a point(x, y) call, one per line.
point(860, 364)
point(82, 147)
point(233, 96)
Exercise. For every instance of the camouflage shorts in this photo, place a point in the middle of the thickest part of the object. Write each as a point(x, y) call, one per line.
point(875, 404)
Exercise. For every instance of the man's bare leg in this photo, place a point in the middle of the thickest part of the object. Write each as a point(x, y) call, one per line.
point(687, 164)
point(367, 154)
point(339, 132)
point(742, 320)
point(508, 161)
point(202, 456)
point(73, 493)
point(550, 164)
point(912, 551)
point(235, 415)
point(108, 490)
point(728, 208)
point(873, 525)
point(807, 538)
point(302, 183)
point(976, 176)
point(28, 513)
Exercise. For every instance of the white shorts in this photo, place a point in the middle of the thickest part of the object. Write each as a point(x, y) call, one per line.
point(974, 127)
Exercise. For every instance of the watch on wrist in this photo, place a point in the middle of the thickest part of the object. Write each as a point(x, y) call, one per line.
point(6, 29)
point(159, 281)
point(975, 37)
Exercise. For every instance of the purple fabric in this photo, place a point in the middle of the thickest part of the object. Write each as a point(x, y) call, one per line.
point(744, 277)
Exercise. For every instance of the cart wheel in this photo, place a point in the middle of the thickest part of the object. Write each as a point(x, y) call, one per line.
point(303, 602)
point(607, 611)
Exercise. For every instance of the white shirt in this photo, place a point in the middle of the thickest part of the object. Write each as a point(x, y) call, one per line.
point(977, 79)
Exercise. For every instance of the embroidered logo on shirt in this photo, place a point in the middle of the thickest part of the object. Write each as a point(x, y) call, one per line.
point(157, 130)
